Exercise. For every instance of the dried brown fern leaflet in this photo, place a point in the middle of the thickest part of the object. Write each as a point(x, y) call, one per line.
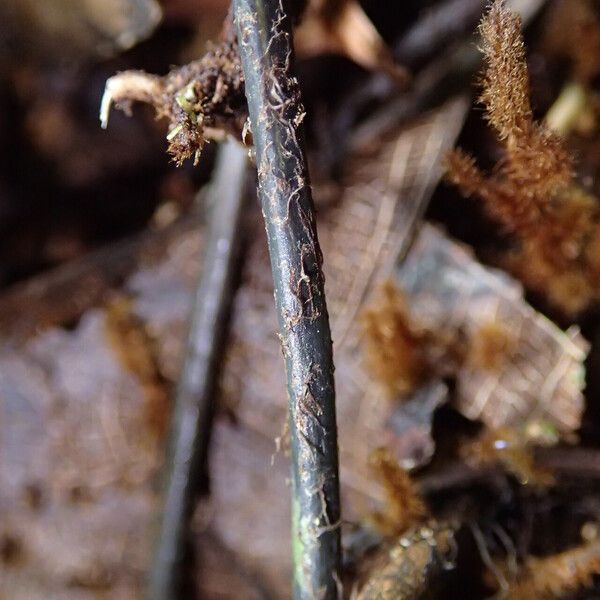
point(401, 354)
point(342, 27)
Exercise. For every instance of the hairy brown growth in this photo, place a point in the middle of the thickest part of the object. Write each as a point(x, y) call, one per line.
point(555, 576)
point(404, 507)
point(401, 353)
point(505, 80)
point(135, 350)
point(393, 346)
point(531, 193)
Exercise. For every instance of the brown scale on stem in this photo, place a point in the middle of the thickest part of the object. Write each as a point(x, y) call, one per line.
point(532, 193)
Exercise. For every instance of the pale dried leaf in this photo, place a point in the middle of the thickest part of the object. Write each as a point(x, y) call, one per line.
point(542, 378)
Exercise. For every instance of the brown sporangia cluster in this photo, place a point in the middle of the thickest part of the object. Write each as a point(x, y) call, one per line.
point(531, 193)
point(202, 100)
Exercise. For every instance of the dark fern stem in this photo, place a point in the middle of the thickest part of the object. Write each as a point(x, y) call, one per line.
point(186, 467)
point(276, 114)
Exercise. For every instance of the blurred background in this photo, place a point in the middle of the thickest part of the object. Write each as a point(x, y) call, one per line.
point(101, 239)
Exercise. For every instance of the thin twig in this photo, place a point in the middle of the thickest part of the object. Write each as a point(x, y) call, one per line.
point(568, 463)
point(439, 25)
point(276, 113)
point(186, 465)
